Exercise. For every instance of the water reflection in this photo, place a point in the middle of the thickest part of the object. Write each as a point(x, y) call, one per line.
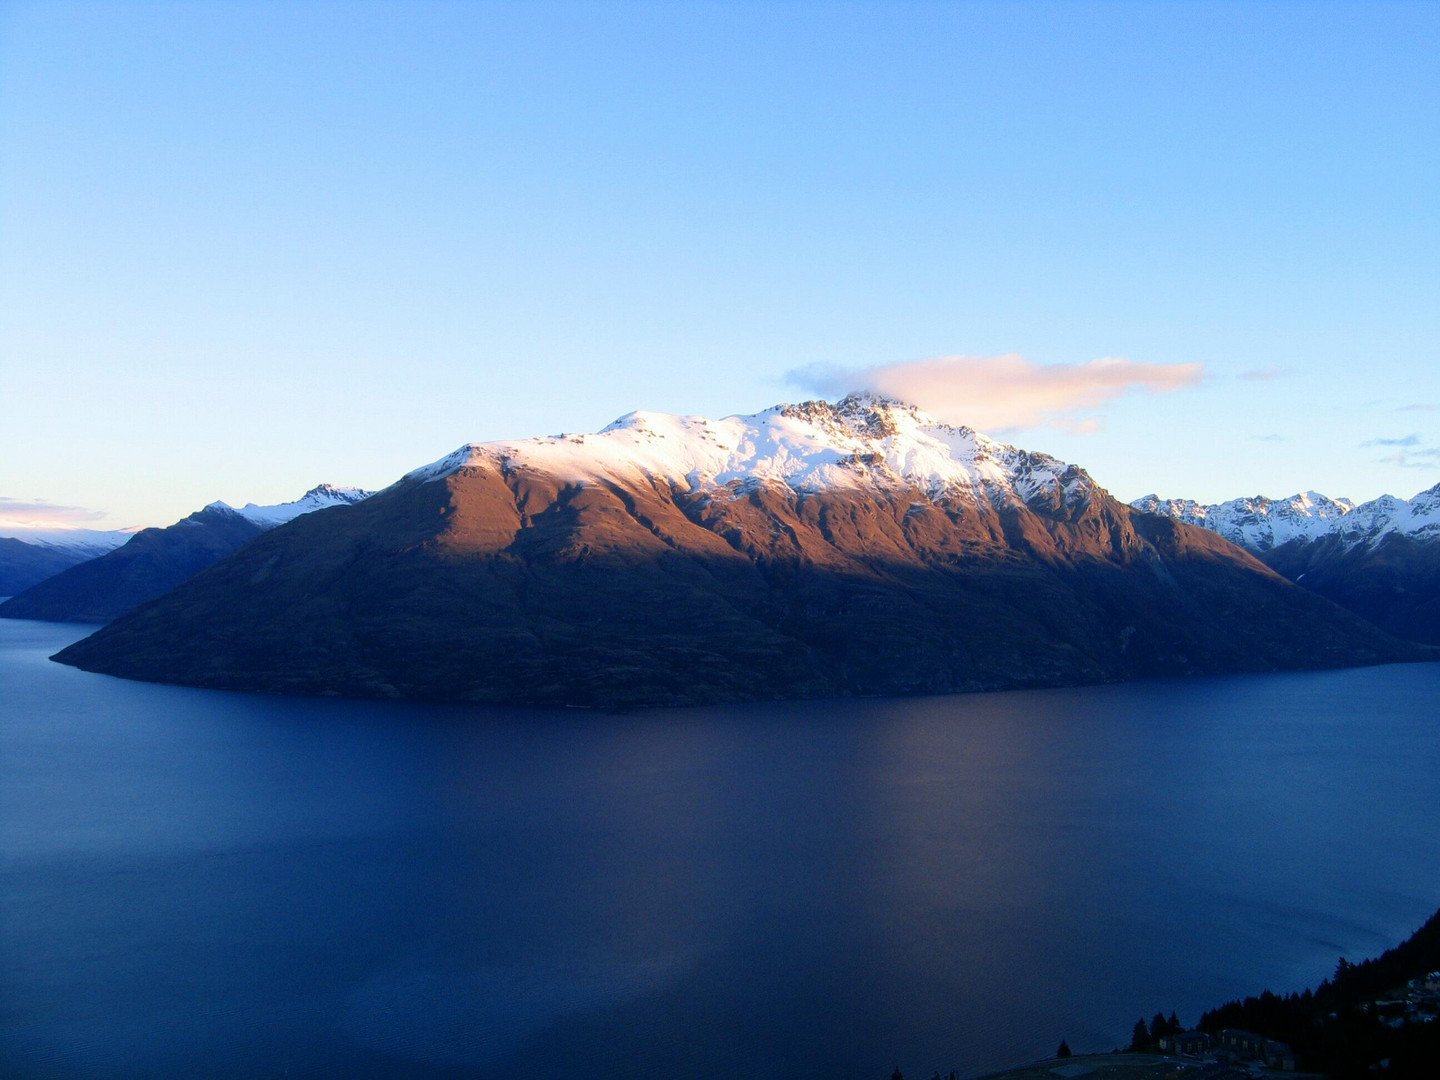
point(241, 886)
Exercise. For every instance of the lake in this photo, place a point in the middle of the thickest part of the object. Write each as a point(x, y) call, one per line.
point(229, 885)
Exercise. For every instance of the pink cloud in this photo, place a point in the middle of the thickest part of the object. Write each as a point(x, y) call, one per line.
point(1000, 393)
point(40, 514)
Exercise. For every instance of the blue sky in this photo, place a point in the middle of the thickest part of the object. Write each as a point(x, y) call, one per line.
point(248, 247)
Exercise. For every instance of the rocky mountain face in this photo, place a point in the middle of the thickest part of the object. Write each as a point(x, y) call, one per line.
point(809, 550)
point(154, 561)
point(1380, 559)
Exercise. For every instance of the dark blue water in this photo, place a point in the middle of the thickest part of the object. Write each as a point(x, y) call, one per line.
point(197, 883)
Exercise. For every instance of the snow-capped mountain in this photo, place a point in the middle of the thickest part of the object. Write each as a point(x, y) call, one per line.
point(1256, 524)
point(864, 441)
point(1380, 559)
point(81, 543)
point(1418, 518)
point(29, 555)
point(1260, 524)
point(317, 498)
point(808, 550)
point(153, 561)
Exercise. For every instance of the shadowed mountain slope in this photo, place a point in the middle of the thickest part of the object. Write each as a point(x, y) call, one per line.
point(23, 565)
point(1395, 582)
point(1380, 559)
point(807, 551)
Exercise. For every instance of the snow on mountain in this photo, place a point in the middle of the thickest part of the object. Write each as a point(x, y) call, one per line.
point(1261, 524)
point(862, 440)
point(317, 498)
point(83, 543)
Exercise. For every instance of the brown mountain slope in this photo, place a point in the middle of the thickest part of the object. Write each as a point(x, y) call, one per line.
point(504, 583)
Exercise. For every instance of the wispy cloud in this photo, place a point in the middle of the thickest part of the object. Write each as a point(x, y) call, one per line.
point(1427, 458)
point(1266, 374)
point(1268, 438)
point(37, 513)
point(1409, 452)
point(1416, 408)
point(1005, 393)
point(1404, 440)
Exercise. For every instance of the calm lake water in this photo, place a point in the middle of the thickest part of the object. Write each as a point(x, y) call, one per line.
point(228, 885)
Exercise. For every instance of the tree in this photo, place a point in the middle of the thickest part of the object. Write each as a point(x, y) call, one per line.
point(1175, 1026)
point(1343, 970)
point(1141, 1037)
point(897, 1074)
point(1064, 1050)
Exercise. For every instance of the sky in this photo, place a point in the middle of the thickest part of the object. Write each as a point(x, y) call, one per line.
point(249, 247)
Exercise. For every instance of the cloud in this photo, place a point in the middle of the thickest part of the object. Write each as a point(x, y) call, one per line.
point(1428, 458)
point(1266, 374)
point(1406, 440)
point(1416, 408)
point(39, 514)
point(1409, 453)
point(1004, 393)
point(1268, 438)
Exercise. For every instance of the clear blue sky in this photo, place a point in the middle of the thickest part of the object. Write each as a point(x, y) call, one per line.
point(248, 247)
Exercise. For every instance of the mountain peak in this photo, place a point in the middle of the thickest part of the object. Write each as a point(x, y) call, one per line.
point(336, 493)
point(1261, 524)
point(864, 414)
point(864, 440)
point(317, 498)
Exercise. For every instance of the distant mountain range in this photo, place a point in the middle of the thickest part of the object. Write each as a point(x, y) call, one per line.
point(29, 556)
point(153, 561)
point(1380, 559)
point(81, 543)
point(816, 549)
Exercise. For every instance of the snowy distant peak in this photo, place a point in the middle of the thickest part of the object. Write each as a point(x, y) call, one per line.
point(1420, 518)
point(1260, 524)
point(1427, 502)
point(317, 498)
point(1185, 510)
point(863, 440)
point(86, 543)
point(336, 494)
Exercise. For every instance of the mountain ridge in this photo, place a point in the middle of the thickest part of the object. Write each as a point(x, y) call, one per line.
point(808, 550)
point(1380, 559)
point(153, 561)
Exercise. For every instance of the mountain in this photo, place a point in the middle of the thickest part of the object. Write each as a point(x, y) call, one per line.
point(154, 561)
point(81, 544)
point(28, 556)
point(1380, 559)
point(23, 565)
point(808, 550)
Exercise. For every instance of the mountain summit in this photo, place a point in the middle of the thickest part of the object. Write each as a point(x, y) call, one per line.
point(862, 442)
point(814, 549)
